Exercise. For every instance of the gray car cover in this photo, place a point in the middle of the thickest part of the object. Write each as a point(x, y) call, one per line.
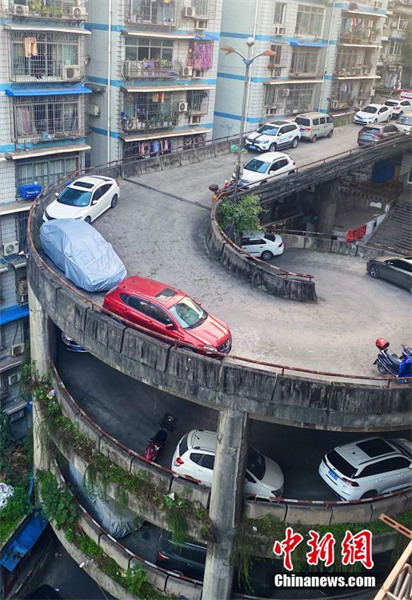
point(82, 253)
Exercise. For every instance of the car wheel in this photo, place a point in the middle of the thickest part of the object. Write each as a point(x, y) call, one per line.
point(266, 255)
point(369, 494)
point(115, 200)
point(88, 220)
point(330, 133)
point(313, 139)
point(295, 142)
point(273, 148)
point(382, 369)
point(374, 272)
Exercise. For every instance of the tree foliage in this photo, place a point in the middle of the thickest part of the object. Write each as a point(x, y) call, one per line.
point(243, 215)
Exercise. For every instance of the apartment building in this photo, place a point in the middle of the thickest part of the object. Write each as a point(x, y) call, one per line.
point(326, 56)
point(395, 70)
point(152, 67)
point(42, 138)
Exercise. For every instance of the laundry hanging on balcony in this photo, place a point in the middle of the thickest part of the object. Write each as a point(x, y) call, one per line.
point(200, 55)
point(30, 47)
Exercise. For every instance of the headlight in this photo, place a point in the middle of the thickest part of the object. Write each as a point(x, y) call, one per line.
point(209, 349)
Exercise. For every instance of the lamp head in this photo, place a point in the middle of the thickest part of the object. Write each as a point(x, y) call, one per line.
point(250, 41)
point(227, 49)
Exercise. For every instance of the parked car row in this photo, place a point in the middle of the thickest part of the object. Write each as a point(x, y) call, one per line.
point(354, 471)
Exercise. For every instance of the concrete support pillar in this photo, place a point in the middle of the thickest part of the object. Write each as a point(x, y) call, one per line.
point(40, 327)
point(327, 197)
point(226, 502)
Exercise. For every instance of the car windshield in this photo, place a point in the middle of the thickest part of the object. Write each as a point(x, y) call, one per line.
point(405, 120)
point(256, 463)
point(268, 130)
point(256, 165)
point(369, 109)
point(187, 313)
point(72, 197)
point(371, 130)
point(342, 465)
point(391, 103)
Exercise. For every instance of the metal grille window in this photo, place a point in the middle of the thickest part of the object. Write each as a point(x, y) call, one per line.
point(152, 11)
point(46, 171)
point(304, 60)
point(342, 94)
point(201, 7)
point(152, 108)
point(43, 56)
point(275, 60)
point(395, 49)
point(148, 49)
point(280, 13)
point(198, 101)
point(299, 98)
point(47, 118)
point(309, 20)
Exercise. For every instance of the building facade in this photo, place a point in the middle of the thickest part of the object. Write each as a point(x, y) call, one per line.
point(152, 67)
point(394, 64)
point(326, 57)
point(42, 139)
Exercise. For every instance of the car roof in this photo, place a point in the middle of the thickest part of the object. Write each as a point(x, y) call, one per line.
point(312, 114)
point(408, 259)
point(93, 180)
point(200, 439)
point(366, 451)
point(374, 105)
point(151, 290)
point(269, 156)
point(279, 122)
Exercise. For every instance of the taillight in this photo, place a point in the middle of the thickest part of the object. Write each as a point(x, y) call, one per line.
point(162, 556)
point(280, 245)
point(179, 461)
point(379, 135)
point(307, 128)
point(349, 482)
point(117, 182)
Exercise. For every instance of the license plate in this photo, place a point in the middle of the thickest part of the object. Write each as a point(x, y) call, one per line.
point(333, 475)
point(252, 147)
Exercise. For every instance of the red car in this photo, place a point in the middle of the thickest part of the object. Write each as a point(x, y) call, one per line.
point(163, 309)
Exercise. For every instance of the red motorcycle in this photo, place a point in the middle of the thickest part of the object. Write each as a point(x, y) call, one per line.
point(167, 424)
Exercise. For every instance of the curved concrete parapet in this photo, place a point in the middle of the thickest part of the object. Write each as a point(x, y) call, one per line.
point(260, 391)
point(260, 274)
point(284, 510)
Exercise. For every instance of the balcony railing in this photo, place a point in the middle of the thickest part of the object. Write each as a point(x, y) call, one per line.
point(154, 122)
point(48, 9)
point(358, 37)
point(154, 12)
point(33, 70)
point(151, 69)
point(354, 71)
point(276, 70)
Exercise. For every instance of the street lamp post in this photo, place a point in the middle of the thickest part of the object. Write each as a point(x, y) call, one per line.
point(247, 61)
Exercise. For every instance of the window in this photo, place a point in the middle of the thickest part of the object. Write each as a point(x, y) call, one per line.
point(151, 11)
point(160, 315)
point(138, 304)
point(395, 48)
point(280, 13)
point(249, 477)
point(252, 242)
point(46, 171)
point(370, 470)
point(152, 107)
point(256, 463)
point(183, 447)
point(99, 192)
point(187, 313)
point(342, 465)
point(124, 298)
point(316, 121)
point(46, 118)
point(400, 264)
point(275, 60)
point(304, 60)
point(208, 461)
point(309, 20)
point(148, 49)
point(195, 457)
point(300, 98)
point(328, 120)
point(322, 121)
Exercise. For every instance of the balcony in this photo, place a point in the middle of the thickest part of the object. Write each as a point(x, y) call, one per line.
point(361, 37)
point(151, 69)
point(153, 122)
point(154, 12)
point(48, 9)
point(276, 70)
point(360, 71)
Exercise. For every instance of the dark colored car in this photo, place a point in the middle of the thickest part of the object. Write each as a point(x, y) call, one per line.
point(170, 312)
point(185, 559)
point(376, 133)
point(397, 270)
point(44, 592)
point(71, 344)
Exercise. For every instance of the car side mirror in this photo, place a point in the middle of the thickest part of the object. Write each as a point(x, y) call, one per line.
point(56, 194)
point(94, 202)
point(170, 326)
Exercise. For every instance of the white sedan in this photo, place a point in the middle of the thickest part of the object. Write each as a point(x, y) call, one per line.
point(263, 245)
point(85, 198)
point(373, 113)
point(268, 165)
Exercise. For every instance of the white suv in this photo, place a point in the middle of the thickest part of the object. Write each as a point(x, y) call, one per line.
point(274, 135)
point(261, 169)
point(398, 106)
point(195, 457)
point(368, 468)
point(261, 244)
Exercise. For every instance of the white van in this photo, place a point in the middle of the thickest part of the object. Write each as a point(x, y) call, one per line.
point(314, 125)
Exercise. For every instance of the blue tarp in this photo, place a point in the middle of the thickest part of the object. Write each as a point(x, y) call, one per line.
point(47, 91)
point(23, 542)
point(13, 313)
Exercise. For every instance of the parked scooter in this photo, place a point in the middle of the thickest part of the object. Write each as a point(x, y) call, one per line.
point(167, 424)
point(392, 364)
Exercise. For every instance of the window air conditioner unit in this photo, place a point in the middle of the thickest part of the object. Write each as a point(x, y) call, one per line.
point(200, 23)
point(16, 349)
point(13, 379)
point(187, 71)
point(189, 12)
point(378, 5)
point(183, 107)
point(271, 110)
point(280, 30)
point(93, 110)
point(132, 68)
point(286, 92)
point(131, 124)
point(21, 10)
point(71, 72)
point(79, 12)
point(10, 248)
point(373, 92)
